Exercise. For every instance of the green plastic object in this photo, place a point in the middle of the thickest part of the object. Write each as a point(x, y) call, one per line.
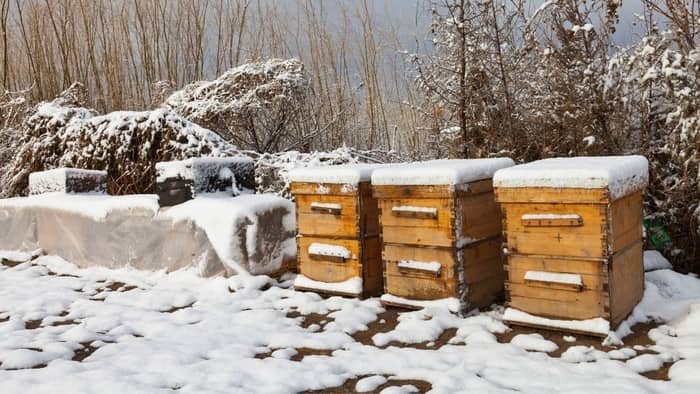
point(656, 233)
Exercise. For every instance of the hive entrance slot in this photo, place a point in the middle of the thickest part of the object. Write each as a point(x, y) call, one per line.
point(415, 212)
point(552, 220)
point(320, 207)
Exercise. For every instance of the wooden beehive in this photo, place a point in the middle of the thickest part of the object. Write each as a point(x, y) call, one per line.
point(339, 250)
point(573, 234)
point(440, 241)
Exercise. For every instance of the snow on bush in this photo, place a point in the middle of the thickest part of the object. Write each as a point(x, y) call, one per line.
point(251, 105)
point(125, 144)
point(272, 170)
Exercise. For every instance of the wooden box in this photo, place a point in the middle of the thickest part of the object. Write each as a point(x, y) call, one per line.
point(68, 180)
point(441, 241)
point(339, 250)
point(573, 237)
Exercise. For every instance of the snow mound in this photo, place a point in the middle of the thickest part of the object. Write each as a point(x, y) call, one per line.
point(440, 172)
point(619, 174)
point(250, 233)
point(534, 342)
point(654, 260)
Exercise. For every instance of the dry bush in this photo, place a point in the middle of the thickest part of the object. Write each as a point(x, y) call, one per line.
point(254, 105)
point(125, 144)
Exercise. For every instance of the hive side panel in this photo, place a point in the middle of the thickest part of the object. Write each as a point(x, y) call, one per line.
point(481, 216)
point(558, 300)
point(483, 272)
point(325, 268)
point(369, 211)
point(406, 228)
point(314, 219)
point(626, 216)
point(551, 195)
point(416, 284)
point(626, 281)
point(373, 281)
point(551, 237)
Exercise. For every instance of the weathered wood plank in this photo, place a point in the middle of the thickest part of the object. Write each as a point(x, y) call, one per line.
point(551, 195)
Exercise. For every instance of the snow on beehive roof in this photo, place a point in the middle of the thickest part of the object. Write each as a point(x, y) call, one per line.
point(440, 172)
point(619, 174)
point(350, 174)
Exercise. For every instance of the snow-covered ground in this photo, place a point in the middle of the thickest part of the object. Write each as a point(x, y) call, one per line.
point(65, 329)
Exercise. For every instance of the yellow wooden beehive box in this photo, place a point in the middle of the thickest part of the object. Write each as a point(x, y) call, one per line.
point(339, 251)
point(573, 235)
point(441, 233)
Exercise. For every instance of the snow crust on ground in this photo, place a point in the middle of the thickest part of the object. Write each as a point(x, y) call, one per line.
point(56, 180)
point(347, 174)
point(440, 172)
point(350, 286)
point(619, 174)
point(145, 345)
point(95, 206)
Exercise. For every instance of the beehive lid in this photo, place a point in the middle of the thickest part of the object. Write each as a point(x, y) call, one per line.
point(440, 172)
point(621, 175)
point(346, 174)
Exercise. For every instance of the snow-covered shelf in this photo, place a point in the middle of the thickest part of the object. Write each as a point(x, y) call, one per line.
point(597, 326)
point(621, 175)
point(440, 172)
point(430, 267)
point(347, 174)
point(352, 286)
point(451, 303)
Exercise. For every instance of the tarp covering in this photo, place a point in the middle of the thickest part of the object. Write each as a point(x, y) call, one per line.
point(137, 234)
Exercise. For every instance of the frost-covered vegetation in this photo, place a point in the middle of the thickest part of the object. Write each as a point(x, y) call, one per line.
point(524, 79)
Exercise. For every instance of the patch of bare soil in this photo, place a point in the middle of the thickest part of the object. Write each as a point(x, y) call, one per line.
point(119, 286)
point(639, 337)
point(4, 319)
point(84, 352)
point(10, 263)
point(64, 323)
point(305, 351)
point(349, 385)
point(177, 308)
point(311, 318)
point(385, 322)
point(32, 324)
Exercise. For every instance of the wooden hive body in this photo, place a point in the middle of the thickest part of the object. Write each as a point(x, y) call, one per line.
point(590, 242)
point(338, 215)
point(457, 226)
